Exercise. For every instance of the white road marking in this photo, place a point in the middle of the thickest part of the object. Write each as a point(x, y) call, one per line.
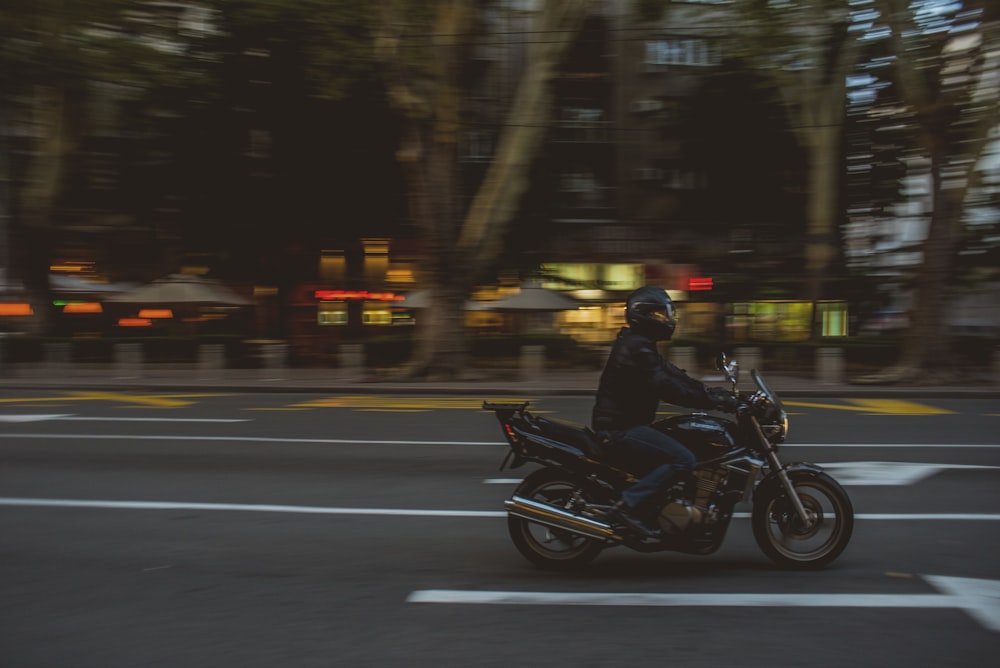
point(30, 418)
point(890, 473)
point(979, 598)
point(943, 446)
point(243, 507)
point(361, 441)
point(151, 419)
point(393, 512)
point(854, 474)
point(240, 439)
point(923, 517)
point(79, 418)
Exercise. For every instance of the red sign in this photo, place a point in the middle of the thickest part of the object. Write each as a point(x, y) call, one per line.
point(695, 284)
point(344, 295)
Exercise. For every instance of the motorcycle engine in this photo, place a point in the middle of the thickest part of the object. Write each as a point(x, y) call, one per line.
point(681, 513)
point(677, 516)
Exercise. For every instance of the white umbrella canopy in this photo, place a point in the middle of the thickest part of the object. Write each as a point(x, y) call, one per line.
point(421, 299)
point(181, 289)
point(533, 297)
point(73, 284)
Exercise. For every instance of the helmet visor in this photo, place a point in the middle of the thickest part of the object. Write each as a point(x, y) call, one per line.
point(664, 312)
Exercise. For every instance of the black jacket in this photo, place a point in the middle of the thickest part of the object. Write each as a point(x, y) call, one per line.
point(635, 379)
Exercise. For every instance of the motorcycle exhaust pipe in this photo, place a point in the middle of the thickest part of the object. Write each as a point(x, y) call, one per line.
point(543, 513)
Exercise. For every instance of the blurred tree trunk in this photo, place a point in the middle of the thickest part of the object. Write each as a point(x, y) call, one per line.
point(56, 119)
point(51, 52)
point(956, 105)
point(821, 133)
point(460, 243)
point(808, 51)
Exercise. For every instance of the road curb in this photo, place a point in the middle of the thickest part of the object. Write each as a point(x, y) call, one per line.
point(479, 389)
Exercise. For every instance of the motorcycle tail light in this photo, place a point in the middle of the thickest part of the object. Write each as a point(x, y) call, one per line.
point(511, 434)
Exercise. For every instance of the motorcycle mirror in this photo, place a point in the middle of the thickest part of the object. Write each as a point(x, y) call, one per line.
point(730, 368)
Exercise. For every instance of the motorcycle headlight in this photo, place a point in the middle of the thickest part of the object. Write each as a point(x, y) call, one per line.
point(776, 430)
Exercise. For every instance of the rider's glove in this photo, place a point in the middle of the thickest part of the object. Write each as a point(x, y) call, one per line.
point(723, 399)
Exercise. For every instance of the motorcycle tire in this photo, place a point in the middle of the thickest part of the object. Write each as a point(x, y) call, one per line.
point(548, 547)
point(789, 542)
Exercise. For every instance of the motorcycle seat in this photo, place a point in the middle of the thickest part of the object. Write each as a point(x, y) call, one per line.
point(570, 433)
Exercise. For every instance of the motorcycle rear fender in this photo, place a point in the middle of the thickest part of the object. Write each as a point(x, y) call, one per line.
point(525, 447)
point(771, 484)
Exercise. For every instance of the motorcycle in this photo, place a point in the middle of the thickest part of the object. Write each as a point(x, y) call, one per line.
point(560, 516)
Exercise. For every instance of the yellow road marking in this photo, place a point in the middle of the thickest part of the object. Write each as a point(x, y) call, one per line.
point(276, 408)
point(34, 399)
point(806, 404)
point(146, 400)
point(369, 402)
point(899, 407)
point(28, 404)
point(877, 407)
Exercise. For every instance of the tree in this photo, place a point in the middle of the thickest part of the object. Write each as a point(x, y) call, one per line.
point(168, 98)
point(424, 50)
point(55, 56)
point(808, 48)
point(947, 69)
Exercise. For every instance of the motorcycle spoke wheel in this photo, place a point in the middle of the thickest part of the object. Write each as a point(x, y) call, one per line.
point(545, 546)
point(791, 542)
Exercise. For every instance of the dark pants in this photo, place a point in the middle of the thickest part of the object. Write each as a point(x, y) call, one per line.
point(658, 458)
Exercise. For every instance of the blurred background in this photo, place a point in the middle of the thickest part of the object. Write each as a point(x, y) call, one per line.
point(445, 183)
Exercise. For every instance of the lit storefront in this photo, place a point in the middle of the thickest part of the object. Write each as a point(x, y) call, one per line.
point(374, 309)
point(785, 320)
point(599, 289)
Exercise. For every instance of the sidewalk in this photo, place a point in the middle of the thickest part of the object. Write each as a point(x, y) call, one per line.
point(479, 382)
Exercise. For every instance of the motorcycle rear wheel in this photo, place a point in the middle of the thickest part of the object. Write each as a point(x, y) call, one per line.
point(548, 547)
point(787, 541)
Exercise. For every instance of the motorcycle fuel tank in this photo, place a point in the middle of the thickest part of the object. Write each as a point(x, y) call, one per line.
point(706, 436)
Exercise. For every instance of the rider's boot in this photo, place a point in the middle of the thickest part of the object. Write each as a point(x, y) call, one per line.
point(627, 515)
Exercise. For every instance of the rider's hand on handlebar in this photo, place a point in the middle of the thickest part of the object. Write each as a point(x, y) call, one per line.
point(723, 399)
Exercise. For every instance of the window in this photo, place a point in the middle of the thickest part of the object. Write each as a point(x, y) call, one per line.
point(376, 313)
point(332, 313)
point(675, 51)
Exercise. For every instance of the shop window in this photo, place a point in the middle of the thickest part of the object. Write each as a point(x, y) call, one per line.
point(376, 313)
point(332, 313)
point(833, 318)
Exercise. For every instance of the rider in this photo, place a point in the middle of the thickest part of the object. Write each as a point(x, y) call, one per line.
point(635, 379)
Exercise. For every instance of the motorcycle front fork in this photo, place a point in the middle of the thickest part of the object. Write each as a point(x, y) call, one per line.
point(786, 482)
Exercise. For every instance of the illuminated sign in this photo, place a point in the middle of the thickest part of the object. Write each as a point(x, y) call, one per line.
point(345, 295)
point(699, 284)
point(81, 307)
point(16, 309)
point(156, 313)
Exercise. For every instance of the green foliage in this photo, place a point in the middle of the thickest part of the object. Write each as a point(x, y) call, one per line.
point(331, 38)
point(58, 43)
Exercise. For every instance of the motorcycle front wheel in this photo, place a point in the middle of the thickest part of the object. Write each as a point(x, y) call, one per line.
point(792, 543)
point(548, 547)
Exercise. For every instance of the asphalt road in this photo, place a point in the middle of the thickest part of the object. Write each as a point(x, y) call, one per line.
point(334, 530)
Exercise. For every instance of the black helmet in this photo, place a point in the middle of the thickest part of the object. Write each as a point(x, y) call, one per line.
point(650, 312)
